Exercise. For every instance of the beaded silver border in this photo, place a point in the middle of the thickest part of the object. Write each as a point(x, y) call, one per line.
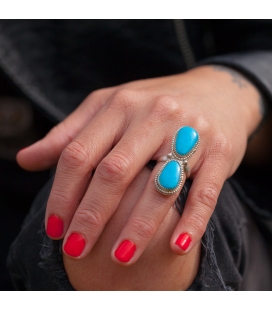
point(188, 155)
point(164, 190)
point(182, 160)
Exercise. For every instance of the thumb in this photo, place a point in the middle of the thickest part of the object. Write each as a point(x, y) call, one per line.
point(45, 153)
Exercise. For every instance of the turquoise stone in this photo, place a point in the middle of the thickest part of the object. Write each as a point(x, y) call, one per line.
point(186, 139)
point(170, 175)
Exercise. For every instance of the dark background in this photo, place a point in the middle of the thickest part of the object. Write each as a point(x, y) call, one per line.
point(17, 187)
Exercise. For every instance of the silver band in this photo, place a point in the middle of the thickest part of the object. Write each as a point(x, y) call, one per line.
point(187, 169)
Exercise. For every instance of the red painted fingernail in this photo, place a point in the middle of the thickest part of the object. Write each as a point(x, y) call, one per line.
point(74, 245)
point(54, 227)
point(183, 241)
point(125, 251)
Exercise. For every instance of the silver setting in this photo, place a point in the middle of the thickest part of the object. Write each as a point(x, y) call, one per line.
point(164, 190)
point(186, 156)
point(183, 162)
point(187, 169)
point(165, 157)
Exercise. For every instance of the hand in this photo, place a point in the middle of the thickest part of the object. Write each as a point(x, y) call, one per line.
point(153, 271)
point(116, 131)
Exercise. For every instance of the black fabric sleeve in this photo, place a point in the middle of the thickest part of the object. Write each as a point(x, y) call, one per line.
point(233, 254)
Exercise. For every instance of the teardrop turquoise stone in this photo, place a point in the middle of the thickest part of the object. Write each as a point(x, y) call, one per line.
point(170, 175)
point(186, 139)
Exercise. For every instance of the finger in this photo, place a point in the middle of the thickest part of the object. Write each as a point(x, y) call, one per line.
point(110, 181)
point(145, 219)
point(75, 167)
point(200, 205)
point(45, 153)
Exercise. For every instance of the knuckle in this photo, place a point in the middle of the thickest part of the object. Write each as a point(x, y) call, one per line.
point(90, 219)
point(115, 168)
point(124, 99)
point(198, 222)
point(96, 94)
point(125, 94)
point(222, 146)
point(58, 198)
point(202, 124)
point(143, 227)
point(166, 107)
point(207, 196)
point(74, 155)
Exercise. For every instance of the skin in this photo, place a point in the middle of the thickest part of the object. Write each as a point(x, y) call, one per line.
point(158, 268)
point(117, 130)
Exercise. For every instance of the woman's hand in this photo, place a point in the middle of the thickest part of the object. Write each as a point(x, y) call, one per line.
point(153, 271)
point(116, 131)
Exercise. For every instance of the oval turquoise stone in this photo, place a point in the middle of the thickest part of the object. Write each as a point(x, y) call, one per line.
point(170, 175)
point(186, 139)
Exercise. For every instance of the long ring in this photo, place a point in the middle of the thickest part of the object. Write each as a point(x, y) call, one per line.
point(170, 177)
point(165, 157)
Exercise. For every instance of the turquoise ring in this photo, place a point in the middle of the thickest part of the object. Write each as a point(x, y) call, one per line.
point(170, 177)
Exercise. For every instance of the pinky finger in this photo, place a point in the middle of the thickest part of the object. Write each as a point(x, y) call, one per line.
point(199, 207)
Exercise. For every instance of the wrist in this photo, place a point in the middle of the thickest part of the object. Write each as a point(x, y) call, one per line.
point(234, 89)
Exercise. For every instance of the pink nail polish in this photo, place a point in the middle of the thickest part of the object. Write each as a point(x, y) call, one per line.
point(183, 241)
point(125, 251)
point(74, 245)
point(54, 227)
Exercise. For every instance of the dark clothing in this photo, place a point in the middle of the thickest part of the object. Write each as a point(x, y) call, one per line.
point(235, 256)
point(56, 64)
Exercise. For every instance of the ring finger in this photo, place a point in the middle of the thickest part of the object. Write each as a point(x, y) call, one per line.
point(148, 213)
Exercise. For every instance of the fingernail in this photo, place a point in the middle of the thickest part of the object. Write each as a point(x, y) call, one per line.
point(54, 227)
point(125, 251)
point(183, 241)
point(74, 245)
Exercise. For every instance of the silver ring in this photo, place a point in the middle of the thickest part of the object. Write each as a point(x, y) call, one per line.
point(164, 158)
point(170, 177)
point(187, 169)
